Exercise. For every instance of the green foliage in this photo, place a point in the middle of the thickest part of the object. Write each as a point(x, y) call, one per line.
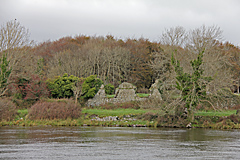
point(22, 113)
point(109, 89)
point(91, 93)
point(192, 86)
point(91, 86)
point(62, 87)
point(4, 73)
point(143, 95)
point(111, 96)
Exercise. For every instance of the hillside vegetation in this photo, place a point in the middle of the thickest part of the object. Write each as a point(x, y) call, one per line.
point(195, 69)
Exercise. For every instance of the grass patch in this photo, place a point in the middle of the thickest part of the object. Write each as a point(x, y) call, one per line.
point(215, 113)
point(117, 112)
point(225, 119)
point(21, 113)
point(111, 96)
point(143, 95)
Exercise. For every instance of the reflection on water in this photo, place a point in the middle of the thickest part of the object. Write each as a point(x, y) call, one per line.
point(117, 143)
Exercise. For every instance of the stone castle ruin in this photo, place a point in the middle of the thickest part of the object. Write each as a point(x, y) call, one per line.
point(126, 92)
point(155, 94)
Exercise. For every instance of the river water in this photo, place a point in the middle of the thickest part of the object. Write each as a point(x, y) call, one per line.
point(59, 143)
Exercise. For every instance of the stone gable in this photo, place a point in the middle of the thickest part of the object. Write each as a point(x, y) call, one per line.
point(126, 92)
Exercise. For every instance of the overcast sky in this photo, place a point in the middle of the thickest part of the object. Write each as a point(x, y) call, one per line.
point(53, 19)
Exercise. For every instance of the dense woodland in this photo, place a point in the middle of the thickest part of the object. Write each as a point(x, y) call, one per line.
point(113, 61)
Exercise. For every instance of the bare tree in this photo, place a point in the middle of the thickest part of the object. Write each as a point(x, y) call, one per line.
point(175, 36)
point(66, 62)
point(233, 54)
point(77, 88)
point(14, 41)
point(161, 64)
point(15, 44)
point(110, 63)
point(13, 35)
point(216, 63)
point(216, 60)
point(203, 38)
point(115, 66)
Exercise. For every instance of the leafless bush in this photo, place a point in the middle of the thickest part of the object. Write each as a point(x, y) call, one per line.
point(7, 109)
point(151, 103)
point(54, 110)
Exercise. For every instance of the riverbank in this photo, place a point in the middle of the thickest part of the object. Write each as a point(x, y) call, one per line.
point(226, 119)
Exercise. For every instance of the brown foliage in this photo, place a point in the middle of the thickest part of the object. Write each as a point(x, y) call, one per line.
point(7, 109)
point(54, 110)
point(237, 107)
point(149, 116)
point(234, 118)
point(152, 103)
point(48, 49)
point(172, 121)
point(143, 90)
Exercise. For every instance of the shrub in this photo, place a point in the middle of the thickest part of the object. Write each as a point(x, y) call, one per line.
point(237, 107)
point(91, 86)
point(54, 110)
point(234, 118)
point(152, 103)
point(28, 90)
point(109, 89)
point(8, 109)
point(62, 87)
point(149, 116)
point(168, 120)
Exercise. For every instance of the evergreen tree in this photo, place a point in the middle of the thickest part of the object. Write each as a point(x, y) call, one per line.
point(4, 74)
point(62, 87)
point(90, 86)
point(192, 86)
